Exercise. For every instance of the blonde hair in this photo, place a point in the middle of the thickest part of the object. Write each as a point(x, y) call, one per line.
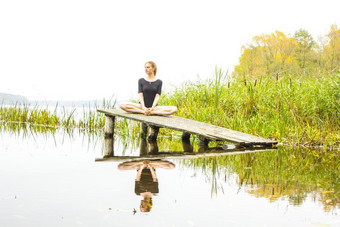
point(153, 66)
point(146, 205)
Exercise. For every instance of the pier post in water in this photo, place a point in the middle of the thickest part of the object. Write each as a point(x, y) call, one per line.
point(187, 147)
point(186, 136)
point(152, 133)
point(143, 130)
point(149, 132)
point(109, 129)
point(203, 143)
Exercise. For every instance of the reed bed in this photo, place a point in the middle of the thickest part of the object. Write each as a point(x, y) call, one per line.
point(293, 110)
point(69, 118)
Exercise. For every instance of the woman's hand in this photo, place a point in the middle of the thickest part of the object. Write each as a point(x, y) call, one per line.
point(146, 110)
point(150, 110)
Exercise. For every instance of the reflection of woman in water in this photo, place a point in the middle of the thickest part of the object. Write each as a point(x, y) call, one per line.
point(146, 183)
point(149, 91)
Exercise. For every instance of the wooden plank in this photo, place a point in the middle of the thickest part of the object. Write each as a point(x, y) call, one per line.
point(205, 130)
point(181, 155)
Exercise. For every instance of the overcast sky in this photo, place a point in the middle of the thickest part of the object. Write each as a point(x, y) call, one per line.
point(86, 49)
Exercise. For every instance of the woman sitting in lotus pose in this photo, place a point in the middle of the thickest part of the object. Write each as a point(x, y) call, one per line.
point(149, 91)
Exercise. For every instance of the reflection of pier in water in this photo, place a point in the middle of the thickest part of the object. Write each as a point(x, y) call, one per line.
point(149, 150)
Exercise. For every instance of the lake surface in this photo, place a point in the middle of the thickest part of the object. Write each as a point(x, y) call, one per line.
point(52, 179)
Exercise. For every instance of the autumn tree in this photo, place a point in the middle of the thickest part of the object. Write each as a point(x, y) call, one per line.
point(251, 63)
point(277, 53)
point(332, 49)
point(267, 55)
point(304, 52)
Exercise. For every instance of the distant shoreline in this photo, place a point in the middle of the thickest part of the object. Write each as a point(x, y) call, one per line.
point(11, 99)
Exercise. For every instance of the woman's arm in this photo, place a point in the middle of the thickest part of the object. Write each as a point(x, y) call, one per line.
point(155, 102)
point(141, 100)
point(153, 174)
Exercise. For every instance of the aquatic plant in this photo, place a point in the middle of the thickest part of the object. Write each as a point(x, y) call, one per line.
point(34, 116)
point(295, 110)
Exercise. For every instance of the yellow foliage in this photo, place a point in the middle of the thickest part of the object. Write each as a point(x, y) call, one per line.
point(277, 53)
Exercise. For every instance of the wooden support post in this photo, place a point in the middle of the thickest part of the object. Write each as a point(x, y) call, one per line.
point(202, 141)
point(109, 129)
point(148, 139)
point(187, 147)
point(143, 149)
point(108, 147)
point(203, 144)
point(148, 147)
point(152, 133)
point(186, 136)
point(240, 146)
point(152, 147)
point(143, 130)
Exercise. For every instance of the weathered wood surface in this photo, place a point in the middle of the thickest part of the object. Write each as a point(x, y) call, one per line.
point(180, 155)
point(109, 126)
point(185, 125)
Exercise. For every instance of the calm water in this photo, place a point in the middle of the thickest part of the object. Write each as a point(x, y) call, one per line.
point(53, 180)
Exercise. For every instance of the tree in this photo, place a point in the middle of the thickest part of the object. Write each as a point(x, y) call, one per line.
point(304, 50)
point(277, 53)
point(251, 64)
point(332, 49)
point(267, 55)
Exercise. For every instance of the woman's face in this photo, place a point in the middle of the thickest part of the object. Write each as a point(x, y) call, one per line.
point(149, 69)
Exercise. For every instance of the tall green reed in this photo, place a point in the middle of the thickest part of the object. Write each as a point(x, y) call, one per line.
point(291, 109)
point(27, 115)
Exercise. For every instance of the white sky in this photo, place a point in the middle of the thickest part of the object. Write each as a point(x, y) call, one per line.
point(86, 49)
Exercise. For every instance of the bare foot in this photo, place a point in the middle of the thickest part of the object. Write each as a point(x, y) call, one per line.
point(148, 111)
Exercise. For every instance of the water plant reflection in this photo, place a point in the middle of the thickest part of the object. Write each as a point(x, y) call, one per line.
point(288, 173)
point(293, 173)
point(39, 133)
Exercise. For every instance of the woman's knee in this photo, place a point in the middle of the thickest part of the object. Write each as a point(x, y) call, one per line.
point(174, 109)
point(123, 106)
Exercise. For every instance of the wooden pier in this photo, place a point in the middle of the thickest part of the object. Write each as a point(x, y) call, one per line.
point(206, 132)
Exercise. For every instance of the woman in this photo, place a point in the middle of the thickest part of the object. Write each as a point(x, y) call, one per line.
point(146, 183)
point(149, 91)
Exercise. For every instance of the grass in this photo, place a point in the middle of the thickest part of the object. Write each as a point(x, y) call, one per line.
point(35, 116)
point(292, 110)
